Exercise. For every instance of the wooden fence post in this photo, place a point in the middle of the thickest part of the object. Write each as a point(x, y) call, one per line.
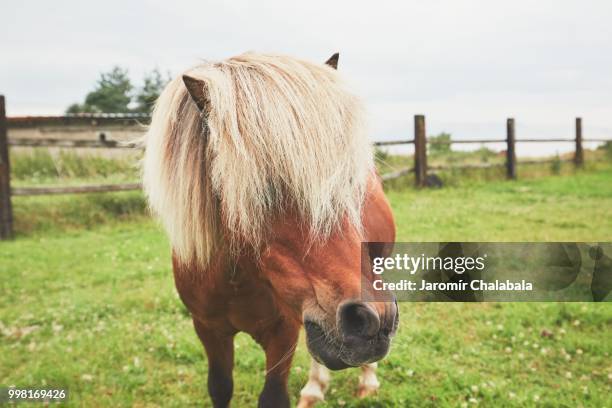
point(579, 154)
point(420, 151)
point(510, 150)
point(6, 210)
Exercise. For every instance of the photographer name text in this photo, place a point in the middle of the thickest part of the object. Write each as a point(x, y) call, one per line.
point(457, 265)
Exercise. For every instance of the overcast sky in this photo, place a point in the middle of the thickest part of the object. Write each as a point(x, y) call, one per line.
point(466, 65)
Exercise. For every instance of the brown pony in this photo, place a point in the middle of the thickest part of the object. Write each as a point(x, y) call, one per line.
point(262, 174)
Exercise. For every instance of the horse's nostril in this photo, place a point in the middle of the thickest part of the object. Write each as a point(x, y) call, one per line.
point(358, 319)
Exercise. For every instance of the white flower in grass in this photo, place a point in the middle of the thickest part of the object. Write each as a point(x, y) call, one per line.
point(474, 388)
point(579, 351)
point(508, 350)
point(576, 323)
point(473, 401)
point(536, 398)
point(87, 377)
point(568, 375)
point(511, 395)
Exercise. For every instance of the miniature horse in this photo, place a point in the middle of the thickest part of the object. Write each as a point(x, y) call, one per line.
point(260, 170)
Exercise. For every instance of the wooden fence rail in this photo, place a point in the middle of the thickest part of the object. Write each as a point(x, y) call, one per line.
point(419, 168)
point(99, 188)
point(107, 144)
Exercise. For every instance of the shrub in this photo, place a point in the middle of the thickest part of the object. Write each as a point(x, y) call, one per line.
point(440, 143)
point(485, 154)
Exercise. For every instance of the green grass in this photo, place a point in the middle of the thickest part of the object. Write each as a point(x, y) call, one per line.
point(40, 166)
point(455, 176)
point(42, 215)
point(572, 208)
point(87, 301)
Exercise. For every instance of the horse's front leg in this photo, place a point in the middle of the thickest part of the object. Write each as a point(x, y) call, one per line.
point(279, 345)
point(314, 390)
point(318, 382)
point(368, 383)
point(220, 351)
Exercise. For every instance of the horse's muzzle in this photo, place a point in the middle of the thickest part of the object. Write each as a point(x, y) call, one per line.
point(361, 335)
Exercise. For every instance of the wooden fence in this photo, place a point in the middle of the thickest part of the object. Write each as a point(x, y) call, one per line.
point(420, 167)
point(102, 122)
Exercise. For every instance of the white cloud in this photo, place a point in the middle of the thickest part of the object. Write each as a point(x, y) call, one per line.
point(467, 65)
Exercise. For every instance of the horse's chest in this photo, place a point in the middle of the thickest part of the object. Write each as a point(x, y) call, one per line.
point(252, 311)
point(239, 304)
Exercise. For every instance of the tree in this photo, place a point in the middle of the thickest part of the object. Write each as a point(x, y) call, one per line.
point(154, 83)
point(113, 94)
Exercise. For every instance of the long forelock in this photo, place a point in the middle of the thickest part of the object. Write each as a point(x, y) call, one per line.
point(280, 132)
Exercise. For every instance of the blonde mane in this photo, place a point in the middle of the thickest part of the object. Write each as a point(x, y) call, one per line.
point(281, 133)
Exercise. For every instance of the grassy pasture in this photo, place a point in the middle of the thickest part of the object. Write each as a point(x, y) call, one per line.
point(87, 302)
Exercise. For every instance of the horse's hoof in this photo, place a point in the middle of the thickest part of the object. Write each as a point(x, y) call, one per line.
point(307, 401)
point(364, 392)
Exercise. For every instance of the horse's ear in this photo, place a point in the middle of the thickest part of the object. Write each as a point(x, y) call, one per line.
point(333, 60)
point(199, 92)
